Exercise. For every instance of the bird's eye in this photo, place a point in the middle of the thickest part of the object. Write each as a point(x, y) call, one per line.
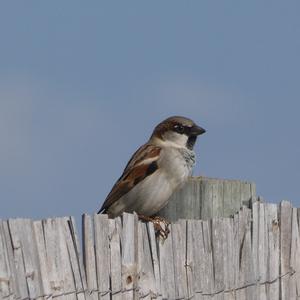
point(179, 128)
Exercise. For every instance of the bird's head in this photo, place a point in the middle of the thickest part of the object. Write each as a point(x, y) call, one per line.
point(177, 131)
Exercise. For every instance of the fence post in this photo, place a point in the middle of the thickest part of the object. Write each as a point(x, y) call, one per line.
point(205, 198)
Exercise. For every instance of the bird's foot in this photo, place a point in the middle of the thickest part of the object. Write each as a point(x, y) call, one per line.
point(161, 225)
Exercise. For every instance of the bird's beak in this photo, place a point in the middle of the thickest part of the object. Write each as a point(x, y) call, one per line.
point(197, 130)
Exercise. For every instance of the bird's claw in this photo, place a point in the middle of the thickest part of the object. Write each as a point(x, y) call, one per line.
point(161, 225)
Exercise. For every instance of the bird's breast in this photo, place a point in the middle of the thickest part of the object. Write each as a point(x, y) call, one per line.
point(177, 164)
point(153, 193)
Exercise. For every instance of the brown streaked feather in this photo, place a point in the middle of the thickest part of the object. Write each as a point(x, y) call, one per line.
point(134, 172)
point(144, 152)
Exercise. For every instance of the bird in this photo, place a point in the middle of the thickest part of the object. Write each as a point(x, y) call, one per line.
point(156, 170)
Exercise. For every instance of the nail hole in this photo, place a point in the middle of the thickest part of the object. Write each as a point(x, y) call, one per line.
point(128, 279)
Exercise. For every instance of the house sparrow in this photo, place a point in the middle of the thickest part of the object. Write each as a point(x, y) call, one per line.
point(156, 169)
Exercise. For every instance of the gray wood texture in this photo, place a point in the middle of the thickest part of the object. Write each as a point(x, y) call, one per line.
point(205, 198)
point(41, 260)
point(251, 254)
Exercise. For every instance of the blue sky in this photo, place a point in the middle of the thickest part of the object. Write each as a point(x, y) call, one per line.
point(82, 84)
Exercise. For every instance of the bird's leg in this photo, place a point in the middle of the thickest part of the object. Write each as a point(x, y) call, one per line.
point(157, 221)
point(159, 230)
point(145, 218)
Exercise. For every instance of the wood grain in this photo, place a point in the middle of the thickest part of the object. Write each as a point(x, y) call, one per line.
point(252, 253)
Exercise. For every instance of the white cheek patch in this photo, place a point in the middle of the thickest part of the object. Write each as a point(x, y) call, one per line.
point(175, 139)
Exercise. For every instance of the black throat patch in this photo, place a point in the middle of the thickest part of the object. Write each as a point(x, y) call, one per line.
point(191, 142)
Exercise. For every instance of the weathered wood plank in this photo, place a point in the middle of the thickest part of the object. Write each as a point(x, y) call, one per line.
point(217, 198)
point(263, 251)
point(167, 271)
point(241, 250)
point(129, 256)
point(7, 287)
point(273, 251)
point(155, 259)
point(78, 246)
point(204, 198)
point(295, 262)
point(247, 259)
point(285, 247)
point(146, 284)
point(102, 255)
point(235, 251)
point(42, 256)
point(115, 260)
point(191, 268)
point(255, 241)
point(228, 255)
point(199, 260)
point(89, 256)
point(235, 199)
point(295, 252)
point(207, 268)
point(74, 257)
point(218, 255)
point(25, 249)
point(59, 266)
point(18, 261)
point(246, 193)
point(179, 251)
point(207, 194)
point(14, 286)
point(228, 204)
point(186, 201)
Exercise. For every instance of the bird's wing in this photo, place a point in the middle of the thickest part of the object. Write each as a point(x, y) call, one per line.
point(142, 164)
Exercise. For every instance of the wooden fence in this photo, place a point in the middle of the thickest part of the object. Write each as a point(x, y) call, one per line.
point(205, 198)
point(252, 254)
